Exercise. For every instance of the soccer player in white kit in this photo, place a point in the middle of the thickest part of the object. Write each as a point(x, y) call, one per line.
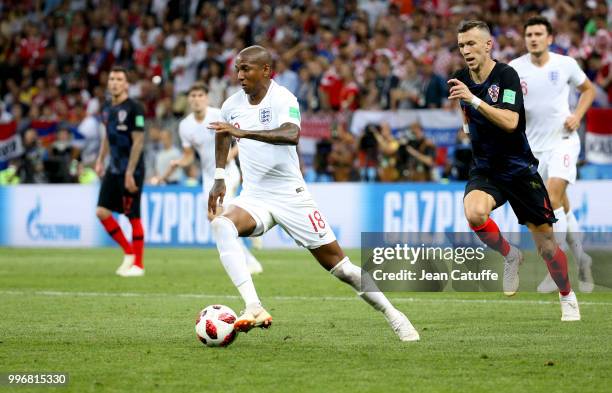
point(265, 118)
point(195, 134)
point(551, 131)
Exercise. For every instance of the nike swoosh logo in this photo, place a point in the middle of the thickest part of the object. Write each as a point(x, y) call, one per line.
point(322, 235)
point(232, 117)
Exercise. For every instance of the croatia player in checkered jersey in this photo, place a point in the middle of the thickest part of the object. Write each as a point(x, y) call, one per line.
point(195, 134)
point(551, 130)
point(265, 118)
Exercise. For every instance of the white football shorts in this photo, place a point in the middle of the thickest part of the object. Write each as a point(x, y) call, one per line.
point(297, 214)
point(561, 161)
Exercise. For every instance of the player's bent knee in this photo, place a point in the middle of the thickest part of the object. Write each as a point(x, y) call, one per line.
point(102, 213)
point(476, 215)
point(223, 228)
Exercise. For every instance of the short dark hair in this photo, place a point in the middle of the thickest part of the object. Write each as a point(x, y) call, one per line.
point(468, 25)
point(538, 20)
point(121, 69)
point(198, 86)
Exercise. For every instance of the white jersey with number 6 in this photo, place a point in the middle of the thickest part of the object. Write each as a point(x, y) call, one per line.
point(266, 169)
point(546, 92)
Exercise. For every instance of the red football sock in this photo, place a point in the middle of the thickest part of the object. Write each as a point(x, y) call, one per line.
point(491, 236)
point(557, 266)
point(137, 241)
point(114, 230)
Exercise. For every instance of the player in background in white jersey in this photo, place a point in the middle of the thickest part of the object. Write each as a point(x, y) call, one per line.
point(551, 130)
point(195, 134)
point(265, 118)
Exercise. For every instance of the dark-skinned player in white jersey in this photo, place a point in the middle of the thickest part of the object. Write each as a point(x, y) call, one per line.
point(264, 117)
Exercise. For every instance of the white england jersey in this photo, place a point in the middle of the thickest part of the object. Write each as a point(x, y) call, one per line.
point(546, 92)
point(266, 169)
point(198, 136)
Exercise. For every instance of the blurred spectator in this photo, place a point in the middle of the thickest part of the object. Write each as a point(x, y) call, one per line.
point(307, 93)
point(321, 167)
point(416, 155)
point(408, 94)
point(349, 92)
point(183, 69)
point(217, 84)
point(32, 169)
point(59, 165)
point(168, 153)
point(387, 154)
point(91, 130)
point(434, 86)
point(460, 158)
point(330, 86)
point(285, 76)
point(342, 156)
point(368, 154)
point(192, 176)
point(10, 175)
point(385, 82)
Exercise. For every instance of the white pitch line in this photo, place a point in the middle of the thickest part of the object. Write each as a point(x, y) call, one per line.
point(287, 298)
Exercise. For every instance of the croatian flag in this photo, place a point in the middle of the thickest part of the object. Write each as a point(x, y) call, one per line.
point(10, 143)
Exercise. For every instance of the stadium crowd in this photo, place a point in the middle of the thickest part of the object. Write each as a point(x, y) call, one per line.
point(333, 55)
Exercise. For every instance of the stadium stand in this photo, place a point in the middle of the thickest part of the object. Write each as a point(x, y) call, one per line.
point(343, 60)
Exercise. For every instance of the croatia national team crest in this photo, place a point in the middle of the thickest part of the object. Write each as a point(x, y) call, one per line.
point(553, 76)
point(265, 115)
point(494, 93)
point(122, 115)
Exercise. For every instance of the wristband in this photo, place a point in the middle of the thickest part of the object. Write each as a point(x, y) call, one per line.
point(219, 174)
point(475, 102)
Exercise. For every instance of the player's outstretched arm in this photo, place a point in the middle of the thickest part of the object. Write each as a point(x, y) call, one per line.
point(183, 162)
point(286, 134)
point(505, 119)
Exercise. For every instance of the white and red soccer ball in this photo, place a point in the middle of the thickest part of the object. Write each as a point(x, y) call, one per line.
point(215, 326)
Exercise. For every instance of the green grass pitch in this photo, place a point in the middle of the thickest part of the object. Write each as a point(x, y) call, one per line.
point(65, 310)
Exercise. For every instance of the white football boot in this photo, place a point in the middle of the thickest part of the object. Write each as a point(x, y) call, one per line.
point(569, 307)
point(133, 271)
point(253, 316)
point(402, 326)
point(128, 261)
point(512, 261)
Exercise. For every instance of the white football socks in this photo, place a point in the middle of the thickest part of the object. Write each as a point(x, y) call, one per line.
point(574, 237)
point(247, 253)
point(363, 284)
point(233, 258)
point(560, 228)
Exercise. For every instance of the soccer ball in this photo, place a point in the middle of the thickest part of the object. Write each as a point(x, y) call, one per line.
point(215, 326)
